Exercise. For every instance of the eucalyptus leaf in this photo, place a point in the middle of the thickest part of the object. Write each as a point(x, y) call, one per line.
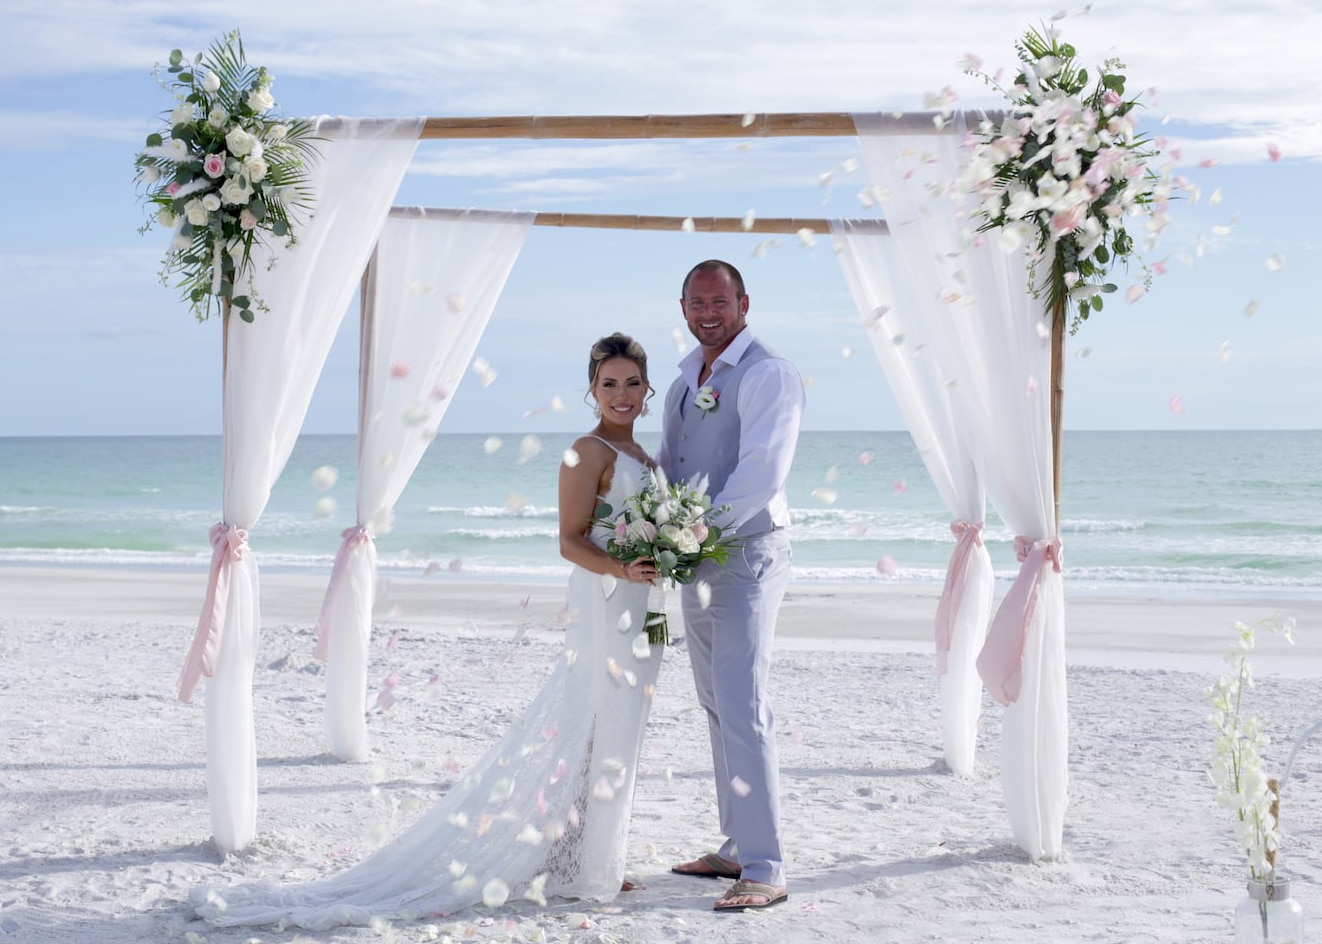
point(246, 315)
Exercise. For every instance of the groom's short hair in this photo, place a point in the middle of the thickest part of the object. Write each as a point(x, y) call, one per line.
point(715, 265)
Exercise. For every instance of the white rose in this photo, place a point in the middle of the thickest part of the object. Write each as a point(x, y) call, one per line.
point(182, 114)
point(211, 202)
point(197, 213)
point(149, 174)
point(180, 242)
point(165, 218)
point(240, 142)
point(218, 118)
point(260, 100)
point(277, 132)
point(255, 168)
point(234, 191)
point(210, 82)
point(687, 541)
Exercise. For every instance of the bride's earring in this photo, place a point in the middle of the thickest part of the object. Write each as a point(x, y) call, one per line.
point(596, 410)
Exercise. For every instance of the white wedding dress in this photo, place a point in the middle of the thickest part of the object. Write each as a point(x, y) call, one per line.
point(545, 812)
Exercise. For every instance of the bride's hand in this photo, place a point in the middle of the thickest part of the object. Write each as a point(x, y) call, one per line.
point(640, 571)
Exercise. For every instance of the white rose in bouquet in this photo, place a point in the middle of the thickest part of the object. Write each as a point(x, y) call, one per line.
point(196, 213)
point(240, 142)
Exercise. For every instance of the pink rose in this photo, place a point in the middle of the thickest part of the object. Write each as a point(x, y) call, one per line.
point(214, 165)
point(700, 531)
point(173, 188)
point(246, 219)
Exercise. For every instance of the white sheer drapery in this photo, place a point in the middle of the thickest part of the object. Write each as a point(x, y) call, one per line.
point(996, 349)
point(905, 320)
point(271, 368)
point(431, 289)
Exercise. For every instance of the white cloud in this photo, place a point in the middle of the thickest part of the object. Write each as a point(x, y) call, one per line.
point(1245, 67)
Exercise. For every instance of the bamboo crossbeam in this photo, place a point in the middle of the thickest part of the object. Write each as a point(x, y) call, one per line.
point(674, 224)
point(788, 124)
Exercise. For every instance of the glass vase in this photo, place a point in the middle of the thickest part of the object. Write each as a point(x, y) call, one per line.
point(1269, 915)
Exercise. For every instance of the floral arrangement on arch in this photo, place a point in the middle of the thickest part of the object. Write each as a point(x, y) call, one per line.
point(224, 174)
point(671, 524)
point(1241, 785)
point(1067, 172)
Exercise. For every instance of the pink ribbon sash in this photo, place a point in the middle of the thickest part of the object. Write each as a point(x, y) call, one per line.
point(968, 537)
point(352, 538)
point(1000, 664)
point(227, 545)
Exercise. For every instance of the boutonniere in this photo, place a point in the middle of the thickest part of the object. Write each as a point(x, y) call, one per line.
point(707, 399)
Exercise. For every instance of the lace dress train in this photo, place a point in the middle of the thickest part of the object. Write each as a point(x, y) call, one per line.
point(546, 810)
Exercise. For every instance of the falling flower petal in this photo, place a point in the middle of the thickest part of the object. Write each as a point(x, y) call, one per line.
point(886, 566)
point(399, 370)
point(421, 288)
point(687, 226)
point(1250, 309)
point(536, 892)
point(857, 530)
point(1135, 292)
point(748, 119)
point(484, 371)
point(1225, 352)
point(529, 446)
point(1083, 353)
point(747, 223)
point(456, 302)
point(608, 584)
point(492, 444)
point(831, 474)
point(324, 477)
point(806, 236)
point(1207, 162)
point(495, 893)
point(1275, 263)
point(1030, 387)
point(1177, 405)
point(324, 508)
point(1043, 331)
point(1215, 198)
point(899, 487)
point(530, 834)
point(865, 457)
point(1273, 151)
point(826, 496)
point(703, 591)
point(641, 648)
point(796, 737)
point(558, 405)
point(570, 458)
point(740, 788)
point(847, 352)
point(625, 622)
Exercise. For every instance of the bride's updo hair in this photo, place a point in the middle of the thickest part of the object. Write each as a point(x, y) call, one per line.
point(612, 346)
point(618, 345)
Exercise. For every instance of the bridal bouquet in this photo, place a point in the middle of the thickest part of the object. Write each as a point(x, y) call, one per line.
point(1064, 172)
point(672, 525)
point(224, 174)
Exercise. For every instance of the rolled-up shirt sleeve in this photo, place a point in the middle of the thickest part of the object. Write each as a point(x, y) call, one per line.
point(770, 402)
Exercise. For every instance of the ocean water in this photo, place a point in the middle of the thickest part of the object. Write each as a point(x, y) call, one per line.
point(1234, 511)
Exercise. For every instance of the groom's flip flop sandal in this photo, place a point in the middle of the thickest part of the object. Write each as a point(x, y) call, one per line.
point(744, 888)
point(719, 867)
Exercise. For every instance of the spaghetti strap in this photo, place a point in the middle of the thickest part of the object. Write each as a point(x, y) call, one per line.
point(607, 442)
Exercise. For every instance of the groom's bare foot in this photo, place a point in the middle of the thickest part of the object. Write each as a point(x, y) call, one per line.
point(708, 866)
point(628, 886)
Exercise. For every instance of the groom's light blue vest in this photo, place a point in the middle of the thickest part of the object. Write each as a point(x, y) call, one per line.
point(708, 442)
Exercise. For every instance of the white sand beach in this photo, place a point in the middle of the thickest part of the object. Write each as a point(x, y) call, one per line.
point(104, 821)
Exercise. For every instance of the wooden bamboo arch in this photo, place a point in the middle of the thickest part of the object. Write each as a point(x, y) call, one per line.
point(748, 125)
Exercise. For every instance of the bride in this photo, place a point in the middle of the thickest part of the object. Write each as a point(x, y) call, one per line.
point(546, 810)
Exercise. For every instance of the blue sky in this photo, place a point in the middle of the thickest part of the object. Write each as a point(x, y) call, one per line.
point(91, 343)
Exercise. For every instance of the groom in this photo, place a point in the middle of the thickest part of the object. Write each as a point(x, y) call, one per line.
point(733, 415)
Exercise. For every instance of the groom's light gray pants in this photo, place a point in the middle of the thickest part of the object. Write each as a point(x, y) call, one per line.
point(730, 645)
